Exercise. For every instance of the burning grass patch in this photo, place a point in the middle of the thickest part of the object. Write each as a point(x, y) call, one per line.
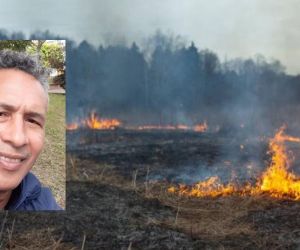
point(276, 181)
point(106, 211)
point(114, 204)
point(219, 222)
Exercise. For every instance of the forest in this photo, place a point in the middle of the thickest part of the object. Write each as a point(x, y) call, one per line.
point(169, 81)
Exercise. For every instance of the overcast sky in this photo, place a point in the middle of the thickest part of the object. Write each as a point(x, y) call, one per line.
point(232, 28)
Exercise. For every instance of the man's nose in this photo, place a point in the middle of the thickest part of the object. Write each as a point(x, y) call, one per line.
point(15, 133)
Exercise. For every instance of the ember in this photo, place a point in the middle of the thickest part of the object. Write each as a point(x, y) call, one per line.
point(154, 127)
point(72, 126)
point(201, 127)
point(276, 181)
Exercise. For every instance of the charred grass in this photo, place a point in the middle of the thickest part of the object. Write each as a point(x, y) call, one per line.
point(110, 209)
point(231, 222)
point(107, 211)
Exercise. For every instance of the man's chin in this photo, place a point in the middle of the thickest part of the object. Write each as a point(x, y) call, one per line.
point(9, 180)
point(9, 186)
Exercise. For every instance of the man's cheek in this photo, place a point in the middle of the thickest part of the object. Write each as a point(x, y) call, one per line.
point(37, 144)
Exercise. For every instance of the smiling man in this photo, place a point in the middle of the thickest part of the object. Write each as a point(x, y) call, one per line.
point(23, 108)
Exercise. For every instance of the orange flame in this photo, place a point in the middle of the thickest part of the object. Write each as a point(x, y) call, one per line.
point(93, 122)
point(210, 187)
point(276, 181)
point(201, 127)
point(72, 126)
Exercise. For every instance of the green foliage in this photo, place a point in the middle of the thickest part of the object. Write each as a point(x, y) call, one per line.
point(18, 45)
point(52, 56)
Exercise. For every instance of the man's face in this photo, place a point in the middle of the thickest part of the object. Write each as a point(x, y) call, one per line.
point(23, 107)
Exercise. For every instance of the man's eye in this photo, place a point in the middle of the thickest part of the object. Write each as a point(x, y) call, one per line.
point(3, 115)
point(34, 122)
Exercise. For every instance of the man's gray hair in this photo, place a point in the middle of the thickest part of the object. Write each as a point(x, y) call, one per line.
point(10, 59)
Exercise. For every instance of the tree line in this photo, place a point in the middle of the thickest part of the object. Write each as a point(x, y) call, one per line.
point(49, 53)
point(175, 82)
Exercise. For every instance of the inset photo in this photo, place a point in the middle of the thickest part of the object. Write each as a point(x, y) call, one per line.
point(32, 125)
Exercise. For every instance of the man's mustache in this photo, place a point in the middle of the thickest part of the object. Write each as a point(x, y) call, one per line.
point(9, 152)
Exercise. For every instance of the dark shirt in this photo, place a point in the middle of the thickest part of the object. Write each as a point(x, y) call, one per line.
point(31, 196)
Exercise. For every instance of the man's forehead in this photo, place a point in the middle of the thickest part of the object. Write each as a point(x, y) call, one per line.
point(18, 76)
point(21, 90)
point(16, 105)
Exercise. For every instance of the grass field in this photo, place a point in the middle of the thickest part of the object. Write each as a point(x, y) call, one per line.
point(50, 167)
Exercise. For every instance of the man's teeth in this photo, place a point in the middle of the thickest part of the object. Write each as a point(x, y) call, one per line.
point(12, 160)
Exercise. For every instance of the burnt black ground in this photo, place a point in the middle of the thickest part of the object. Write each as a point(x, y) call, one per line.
point(114, 215)
point(179, 156)
point(112, 218)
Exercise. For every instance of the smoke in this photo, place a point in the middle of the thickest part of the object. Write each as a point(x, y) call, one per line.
point(169, 81)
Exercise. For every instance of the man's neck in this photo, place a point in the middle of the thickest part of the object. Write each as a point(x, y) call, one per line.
point(4, 198)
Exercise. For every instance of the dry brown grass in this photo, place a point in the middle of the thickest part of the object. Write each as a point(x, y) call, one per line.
point(210, 218)
point(36, 240)
point(219, 220)
point(213, 219)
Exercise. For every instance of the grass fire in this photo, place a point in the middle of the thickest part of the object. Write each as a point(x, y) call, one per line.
point(124, 184)
point(276, 181)
point(149, 172)
point(170, 146)
point(95, 122)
